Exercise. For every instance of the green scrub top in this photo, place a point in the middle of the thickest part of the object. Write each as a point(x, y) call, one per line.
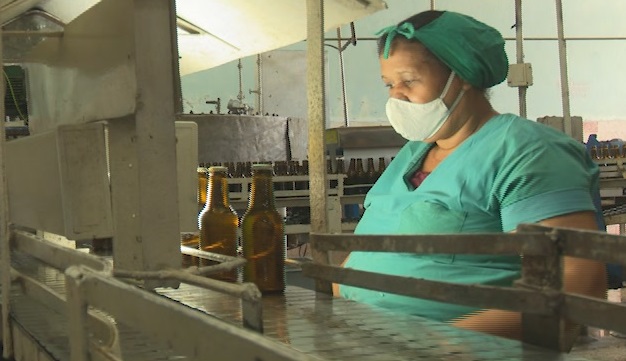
point(511, 171)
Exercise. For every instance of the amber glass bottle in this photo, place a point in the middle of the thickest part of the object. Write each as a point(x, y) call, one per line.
point(202, 184)
point(218, 222)
point(350, 176)
point(370, 174)
point(263, 235)
point(304, 170)
point(381, 167)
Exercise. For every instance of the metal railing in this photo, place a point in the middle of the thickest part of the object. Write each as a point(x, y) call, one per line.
point(538, 295)
point(165, 321)
point(93, 281)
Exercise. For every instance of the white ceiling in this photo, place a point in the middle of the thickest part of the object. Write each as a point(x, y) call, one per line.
point(227, 29)
point(239, 28)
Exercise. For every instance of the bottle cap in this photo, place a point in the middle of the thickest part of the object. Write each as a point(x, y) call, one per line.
point(217, 168)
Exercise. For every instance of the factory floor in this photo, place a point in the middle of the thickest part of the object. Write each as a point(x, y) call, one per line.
point(601, 345)
point(606, 348)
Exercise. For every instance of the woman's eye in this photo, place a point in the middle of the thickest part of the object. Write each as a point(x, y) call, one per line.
point(406, 83)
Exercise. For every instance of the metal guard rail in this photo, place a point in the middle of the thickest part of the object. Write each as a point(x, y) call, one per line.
point(63, 258)
point(537, 295)
point(88, 288)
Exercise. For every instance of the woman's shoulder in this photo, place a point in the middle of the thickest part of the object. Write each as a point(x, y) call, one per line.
point(512, 139)
point(514, 130)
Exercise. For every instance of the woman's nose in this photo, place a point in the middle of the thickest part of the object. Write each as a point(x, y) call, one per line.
point(398, 92)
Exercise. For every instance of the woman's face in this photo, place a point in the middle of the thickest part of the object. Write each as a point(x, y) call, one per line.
point(412, 73)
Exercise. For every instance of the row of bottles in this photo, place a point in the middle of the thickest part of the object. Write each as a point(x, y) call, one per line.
point(358, 172)
point(607, 151)
point(359, 177)
point(262, 229)
point(279, 168)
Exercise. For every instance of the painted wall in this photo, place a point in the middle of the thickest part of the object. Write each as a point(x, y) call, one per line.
point(595, 67)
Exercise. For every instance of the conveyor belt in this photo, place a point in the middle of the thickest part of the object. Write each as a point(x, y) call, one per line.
point(337, 329)
point(315, 324)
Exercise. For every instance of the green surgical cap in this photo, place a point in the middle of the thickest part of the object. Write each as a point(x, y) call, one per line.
point(474, 50)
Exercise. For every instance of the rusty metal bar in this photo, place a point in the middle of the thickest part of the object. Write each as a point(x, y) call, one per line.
point(494, 243)
point(596, 245)
point(248, 291)
point(252, 308)
point(55, 255)
point(594, 312)
point(481, 296)
point(544, 272)
point(226, 263)
point(175, 322)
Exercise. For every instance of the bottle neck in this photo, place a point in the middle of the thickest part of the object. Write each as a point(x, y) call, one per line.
point(217, 191)
point(262, 195)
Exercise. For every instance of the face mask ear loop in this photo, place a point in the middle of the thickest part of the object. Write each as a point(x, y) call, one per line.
point(456, 101)
point(447, 87)
point(450, 110)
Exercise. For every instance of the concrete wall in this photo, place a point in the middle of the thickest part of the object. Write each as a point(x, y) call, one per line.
point(595, 67)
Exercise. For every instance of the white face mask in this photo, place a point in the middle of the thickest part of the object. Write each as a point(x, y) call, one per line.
point(415, 121)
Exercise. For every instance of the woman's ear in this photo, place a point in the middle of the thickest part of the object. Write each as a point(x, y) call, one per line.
point(466, 86)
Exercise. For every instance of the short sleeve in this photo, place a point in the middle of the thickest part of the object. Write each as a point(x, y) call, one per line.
point(544, 180)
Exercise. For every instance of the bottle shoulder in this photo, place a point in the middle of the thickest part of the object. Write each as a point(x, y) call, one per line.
point(218, 210)
point(261, 213)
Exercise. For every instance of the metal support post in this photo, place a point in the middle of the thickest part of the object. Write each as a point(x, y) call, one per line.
point(519, 41)
point(5, 233)
point(143, 151)
point(543, 273)
point(567, 119)
point(76, 315)
point(317, 124)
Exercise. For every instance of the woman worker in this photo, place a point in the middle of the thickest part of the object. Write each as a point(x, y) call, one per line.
point(466, 168)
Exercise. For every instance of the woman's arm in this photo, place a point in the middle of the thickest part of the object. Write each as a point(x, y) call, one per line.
point(580, 276)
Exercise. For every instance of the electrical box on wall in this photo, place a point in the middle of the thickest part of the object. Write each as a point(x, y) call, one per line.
point(15, 97)
point(520, 75)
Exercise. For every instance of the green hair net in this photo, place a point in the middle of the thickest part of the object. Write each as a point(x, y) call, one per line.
point(474, 50)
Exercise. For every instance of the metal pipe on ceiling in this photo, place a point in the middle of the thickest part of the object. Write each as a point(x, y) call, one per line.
point(47, 34)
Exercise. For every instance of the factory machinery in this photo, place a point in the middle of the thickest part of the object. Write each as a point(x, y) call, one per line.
point(107, 172)
point(610, 160)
